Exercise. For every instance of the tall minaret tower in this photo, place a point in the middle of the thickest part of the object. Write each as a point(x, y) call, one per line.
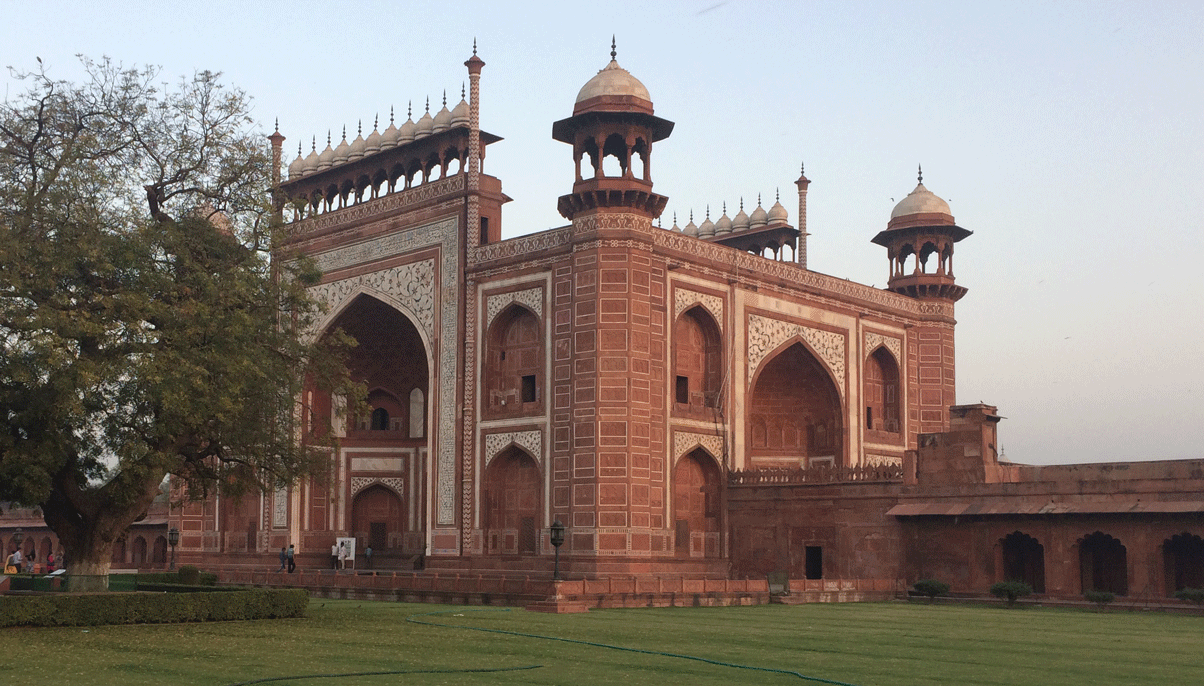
point(919, 241)
point(802, 183)
point(613, 117)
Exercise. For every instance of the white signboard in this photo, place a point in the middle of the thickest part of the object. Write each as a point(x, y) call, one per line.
point(348, 545)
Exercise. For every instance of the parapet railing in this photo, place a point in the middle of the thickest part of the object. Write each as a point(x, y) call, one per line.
point(815, 475)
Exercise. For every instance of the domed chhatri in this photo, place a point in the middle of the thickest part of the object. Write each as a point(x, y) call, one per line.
point(922, 201)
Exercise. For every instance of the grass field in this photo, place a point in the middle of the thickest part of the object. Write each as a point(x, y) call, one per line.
point(866, 644)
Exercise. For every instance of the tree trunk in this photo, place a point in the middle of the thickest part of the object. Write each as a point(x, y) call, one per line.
point(89, 573)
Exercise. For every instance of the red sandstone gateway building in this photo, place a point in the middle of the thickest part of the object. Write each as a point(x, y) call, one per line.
point(691, 403)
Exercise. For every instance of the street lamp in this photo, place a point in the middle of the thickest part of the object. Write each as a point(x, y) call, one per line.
point(173, 538)
point(557, 541)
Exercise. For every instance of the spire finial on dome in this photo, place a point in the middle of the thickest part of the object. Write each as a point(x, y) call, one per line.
point(691, 215)
point(675, 219)
point(315, 143)
point(445, 97)
point(277, 124)
point(708, 211)
point(461, 90)
point(359, 127)
point(802, 169)
point(428, 104)
point(758, 199)
point(725, 207)
point(741, 203)
point(376, 122)
point(613, 54)
point(410, 109)
point(474, 46)
point(920, 173)
point(298, 148)
point(328, 138)
point(390, 115)
point(344, 132)
point(777, 195)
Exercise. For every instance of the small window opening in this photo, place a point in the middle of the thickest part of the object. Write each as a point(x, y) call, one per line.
point(815, 562)
point(380, 419)
point(484, 230)
point(869, 418)
point(683, 390)
point(529, 388)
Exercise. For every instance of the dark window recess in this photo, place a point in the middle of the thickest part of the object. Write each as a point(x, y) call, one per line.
point(378, 535)
point(529, 388)
point(380, 419)
point(526, 535)
point(869, 417)
point(815, 562)
point(682, 542)
point(683, 390)
point(484, 230)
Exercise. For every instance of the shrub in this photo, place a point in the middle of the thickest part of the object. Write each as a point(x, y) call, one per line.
point(189, 575)
point(159, 578)
point(1195, 595)
point(1100, 598)
point(1011, 590)
point(931, 588)
point(150, 608)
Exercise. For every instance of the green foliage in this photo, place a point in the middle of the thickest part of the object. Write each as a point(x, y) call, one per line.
point(189, 575)
point(1011, 590)
point(167, 578)
point(1100, 598)
point(1194, 595)
point(150, 608)
point(931, 587)
point(144, 328)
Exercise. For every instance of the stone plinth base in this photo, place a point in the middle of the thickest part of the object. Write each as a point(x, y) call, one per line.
point(559, 606)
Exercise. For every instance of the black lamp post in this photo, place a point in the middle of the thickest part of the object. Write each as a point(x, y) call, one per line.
point(173, 538)
point(557, 541)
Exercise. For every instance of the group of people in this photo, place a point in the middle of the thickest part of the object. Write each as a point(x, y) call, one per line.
point(19, 562)
point(339, 554)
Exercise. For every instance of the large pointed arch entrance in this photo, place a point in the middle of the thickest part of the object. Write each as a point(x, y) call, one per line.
point(794, 415)
point(377, 488)
point(512, 504)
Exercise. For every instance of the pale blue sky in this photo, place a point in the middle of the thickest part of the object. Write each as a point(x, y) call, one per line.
point(1069, 136)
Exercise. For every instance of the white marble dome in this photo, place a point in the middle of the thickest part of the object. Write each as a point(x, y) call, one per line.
point(920, 201)
point(613, 80)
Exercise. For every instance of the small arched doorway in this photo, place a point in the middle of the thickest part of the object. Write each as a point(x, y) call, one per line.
point(378, 518)
point(1183, 555)
point(1024, 560)
point(159, 554)
point(139, 551)
point(512, 504)
point(1103, 564)
point(696, 506)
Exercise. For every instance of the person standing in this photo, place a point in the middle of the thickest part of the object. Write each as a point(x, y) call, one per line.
point(283, 560)
point(368, 556)
point(49, 562)
point(292, 563)
point(342, 556)
point(334, 555)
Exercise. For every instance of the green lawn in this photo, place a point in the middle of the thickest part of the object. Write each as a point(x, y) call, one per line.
point(878, 644)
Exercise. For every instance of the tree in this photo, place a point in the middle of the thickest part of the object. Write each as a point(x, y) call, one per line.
point(144, 329)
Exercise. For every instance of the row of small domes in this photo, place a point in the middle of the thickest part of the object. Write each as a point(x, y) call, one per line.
point(377, 140)
point(741, 222)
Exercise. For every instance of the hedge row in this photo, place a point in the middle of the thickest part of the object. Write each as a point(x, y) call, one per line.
point(150, 608)
point(203, 579)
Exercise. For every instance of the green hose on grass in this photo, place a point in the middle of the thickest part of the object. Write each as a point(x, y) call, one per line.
point(414, 619)
point(395, 671)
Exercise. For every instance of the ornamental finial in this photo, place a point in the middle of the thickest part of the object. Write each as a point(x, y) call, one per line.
point(920, 173)
point(613, 54)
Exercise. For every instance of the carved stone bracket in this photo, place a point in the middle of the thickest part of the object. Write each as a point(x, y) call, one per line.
point(532, 298)
point(683, 298)
point(894, 345)
point(359, 483)
point(765, 335)
point(685, 441)
point(531, 441)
